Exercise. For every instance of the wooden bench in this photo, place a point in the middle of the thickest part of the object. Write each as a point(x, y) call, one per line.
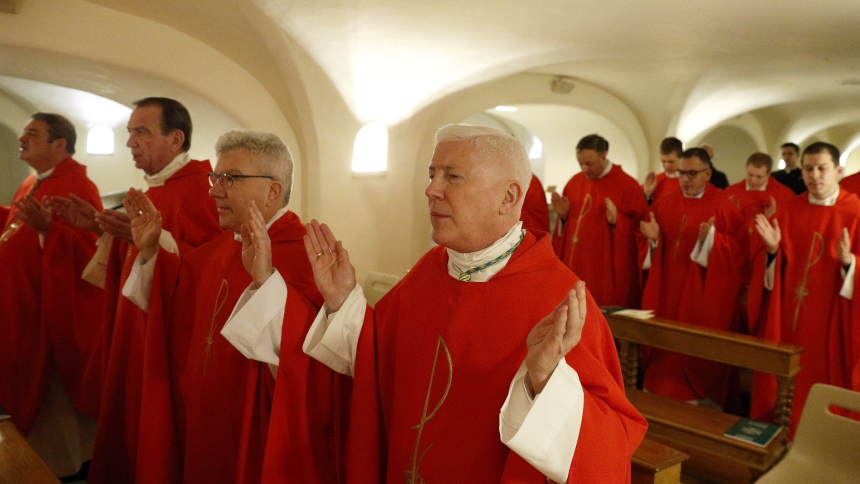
point(698, 431)
point(19, 463)
point(655, 463)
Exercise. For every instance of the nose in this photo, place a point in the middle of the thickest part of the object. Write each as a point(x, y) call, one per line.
point(130, 143)
point(433, 190)
point(216, 190)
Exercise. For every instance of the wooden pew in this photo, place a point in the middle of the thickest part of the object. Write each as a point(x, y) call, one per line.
point(18, 461)
point(698, 431)
point(655, 463)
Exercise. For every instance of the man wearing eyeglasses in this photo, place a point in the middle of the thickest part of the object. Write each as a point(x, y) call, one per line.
point(598, 216)
point(696, 256)
point(807, 282)
point(229, 406)
point(159, 138)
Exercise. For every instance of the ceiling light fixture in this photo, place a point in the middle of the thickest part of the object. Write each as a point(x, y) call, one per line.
point(506, 108)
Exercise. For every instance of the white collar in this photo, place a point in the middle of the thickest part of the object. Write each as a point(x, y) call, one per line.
point(168, 171)
point(280, 213)
point(699, 195)
point(460, 261)
point(763, 187)
point(45, 174)
point(828, 201)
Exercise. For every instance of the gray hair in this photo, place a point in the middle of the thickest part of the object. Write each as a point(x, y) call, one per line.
point(491, 143)
point(271, 154)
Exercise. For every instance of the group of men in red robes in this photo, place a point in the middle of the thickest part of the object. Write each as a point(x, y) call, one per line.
point(119, 315)
point(701, 255)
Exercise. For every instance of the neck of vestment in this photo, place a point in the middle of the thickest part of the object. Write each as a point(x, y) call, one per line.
point(176, 164)
point(470, 337)
point(212, 277)
point(493, 258)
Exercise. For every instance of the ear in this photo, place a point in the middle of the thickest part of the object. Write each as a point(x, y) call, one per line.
point(514, 194)
point(710, 174)
point(273, 196)
point(177, 138)
point(60, 144)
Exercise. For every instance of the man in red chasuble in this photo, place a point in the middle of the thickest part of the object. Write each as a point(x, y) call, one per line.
point(667, 181)
point(600, 209)
point(807, 282)
point(246, 403)
point(44, 304)
point(470, 369)
point(697, 254)
point(159, 138)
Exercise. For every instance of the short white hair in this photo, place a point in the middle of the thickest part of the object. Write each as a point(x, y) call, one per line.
point(271, 155)
point(491, 143)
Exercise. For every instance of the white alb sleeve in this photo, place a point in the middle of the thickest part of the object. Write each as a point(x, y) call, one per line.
point(333, 340)
point(255, 325)
point(96, 269)
point(138, 286)
point(652, 245)
point(847, 290)
point(702, 250)
point(544, 431)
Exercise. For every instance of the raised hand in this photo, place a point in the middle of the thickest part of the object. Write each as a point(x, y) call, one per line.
point(333, 273)
point(650, 185)
point(843, 248)
point(554, 336)
point(770, 209)
point(145, 223)
point(76, 212)
point(704, 228)
point(256, 247)
point(560, 204)
point(115, 223)
point(650, 228)
point(769, 233)
point(611, 211)
point(33, 213)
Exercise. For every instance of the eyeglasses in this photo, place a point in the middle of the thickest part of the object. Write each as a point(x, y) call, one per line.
point(690, 173)
point(226, 179)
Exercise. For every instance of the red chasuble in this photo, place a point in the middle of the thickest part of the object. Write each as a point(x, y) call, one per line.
point(805, 308)
point(680, 289)
point(603, 256)
point(535, 214)
point(665, 185)
point(190, 215)
point(435, 362)
point(44, 304)
point(222, 400)
point(851, 183)
point(753, 202)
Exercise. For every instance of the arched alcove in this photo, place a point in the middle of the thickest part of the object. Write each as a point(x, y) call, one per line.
point(732, 146)
point(13, 169)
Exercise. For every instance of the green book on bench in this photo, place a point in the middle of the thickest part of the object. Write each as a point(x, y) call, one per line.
point(753, 432)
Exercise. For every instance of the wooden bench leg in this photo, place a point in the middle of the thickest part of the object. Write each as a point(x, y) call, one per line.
point(784, 395)
point(629, 358)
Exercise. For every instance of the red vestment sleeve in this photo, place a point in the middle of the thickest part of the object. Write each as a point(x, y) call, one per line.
point(282, 440)
point(365, 450)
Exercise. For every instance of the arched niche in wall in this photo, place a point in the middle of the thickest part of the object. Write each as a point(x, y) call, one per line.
point(558, 129)
point(732, 146)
